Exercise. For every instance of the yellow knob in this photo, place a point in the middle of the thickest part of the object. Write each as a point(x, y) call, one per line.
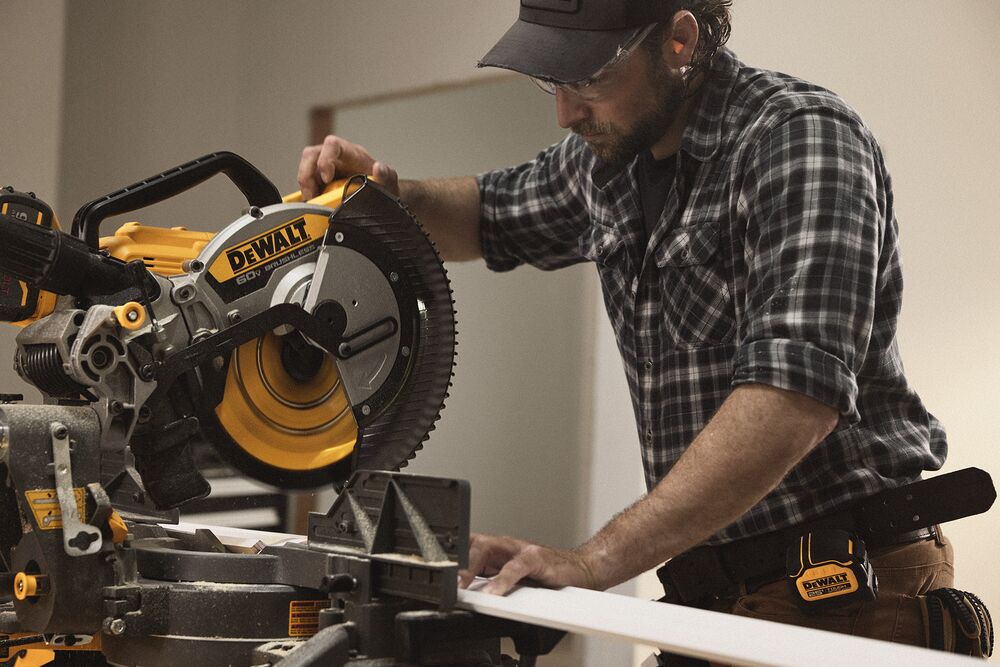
point(130, 316)
point(29, 585)
point(118, 528)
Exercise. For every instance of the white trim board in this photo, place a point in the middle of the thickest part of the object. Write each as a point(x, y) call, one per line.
point(695, 632)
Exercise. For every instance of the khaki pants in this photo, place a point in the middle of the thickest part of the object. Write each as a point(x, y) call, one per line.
point(903, 572)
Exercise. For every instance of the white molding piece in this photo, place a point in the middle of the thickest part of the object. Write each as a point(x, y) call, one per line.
point(239, 537)
point(238, 518)
point(694, 632)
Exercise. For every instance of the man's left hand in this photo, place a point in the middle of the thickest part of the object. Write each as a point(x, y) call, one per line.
point(512, 560)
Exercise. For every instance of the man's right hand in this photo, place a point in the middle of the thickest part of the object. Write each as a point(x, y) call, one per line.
point(338, 158)
point(447, 207)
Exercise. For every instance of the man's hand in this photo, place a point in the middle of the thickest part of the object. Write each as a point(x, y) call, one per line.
point(448, 208)
point(338, 158)
point(512, 560)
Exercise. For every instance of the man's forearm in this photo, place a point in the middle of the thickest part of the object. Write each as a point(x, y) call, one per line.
point(756, 437)
point(448, 208)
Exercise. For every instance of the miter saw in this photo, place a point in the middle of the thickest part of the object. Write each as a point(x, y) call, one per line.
point(306, 341)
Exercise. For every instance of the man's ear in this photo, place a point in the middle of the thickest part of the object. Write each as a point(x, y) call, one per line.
point(681, 40)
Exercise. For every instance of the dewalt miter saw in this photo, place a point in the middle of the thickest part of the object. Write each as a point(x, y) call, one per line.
point(306, 341)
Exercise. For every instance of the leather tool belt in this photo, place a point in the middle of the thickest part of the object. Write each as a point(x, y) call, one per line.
point(895, 516)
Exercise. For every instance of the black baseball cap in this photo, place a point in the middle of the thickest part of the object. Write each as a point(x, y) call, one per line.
point(570, 40)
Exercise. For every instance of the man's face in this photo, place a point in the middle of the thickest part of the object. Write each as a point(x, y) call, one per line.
point(640, 101)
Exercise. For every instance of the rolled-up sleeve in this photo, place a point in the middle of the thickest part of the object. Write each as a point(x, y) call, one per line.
point(815, 209)
point(534, 213)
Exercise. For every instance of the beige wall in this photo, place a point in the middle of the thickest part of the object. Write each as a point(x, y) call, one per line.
point(31, 73)
point(31, 76)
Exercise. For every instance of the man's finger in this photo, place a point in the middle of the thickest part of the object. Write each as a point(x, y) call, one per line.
point(475, 568)
point(339, 158)
point(308, 176)
point(387, 176)
point(329, 156)
point(514, 571)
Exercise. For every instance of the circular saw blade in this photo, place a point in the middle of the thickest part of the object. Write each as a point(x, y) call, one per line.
point(398, 431)
point(303, 432)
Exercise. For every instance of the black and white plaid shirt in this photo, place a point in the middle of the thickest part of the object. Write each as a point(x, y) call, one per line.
point(775, 261)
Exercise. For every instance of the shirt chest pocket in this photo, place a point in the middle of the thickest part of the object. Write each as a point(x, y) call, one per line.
point(697, 303)
point(607, 251)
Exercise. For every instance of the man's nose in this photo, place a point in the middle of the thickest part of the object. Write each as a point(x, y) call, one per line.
point(570, 109)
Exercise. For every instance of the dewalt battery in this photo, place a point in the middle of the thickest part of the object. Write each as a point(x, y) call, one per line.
point(829, 567)
point(20, 302)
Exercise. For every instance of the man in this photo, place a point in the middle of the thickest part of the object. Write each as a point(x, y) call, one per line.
point(741, 222)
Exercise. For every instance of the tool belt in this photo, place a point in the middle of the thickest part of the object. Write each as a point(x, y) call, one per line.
point(895, 516)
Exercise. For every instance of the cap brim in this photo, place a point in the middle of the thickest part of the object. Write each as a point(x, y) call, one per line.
point(556, 54)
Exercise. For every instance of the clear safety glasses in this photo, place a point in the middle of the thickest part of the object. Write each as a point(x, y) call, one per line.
point(603, 81)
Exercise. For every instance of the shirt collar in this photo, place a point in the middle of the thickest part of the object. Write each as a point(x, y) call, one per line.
point(703, 135)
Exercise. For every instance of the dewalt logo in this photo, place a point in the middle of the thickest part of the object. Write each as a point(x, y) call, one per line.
point(260, 251)
point(827, 581)
point(271, 244)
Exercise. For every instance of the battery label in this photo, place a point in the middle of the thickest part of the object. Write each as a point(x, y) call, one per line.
point(826, 582)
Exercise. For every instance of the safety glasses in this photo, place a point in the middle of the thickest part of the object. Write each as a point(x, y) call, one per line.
point(603, 81)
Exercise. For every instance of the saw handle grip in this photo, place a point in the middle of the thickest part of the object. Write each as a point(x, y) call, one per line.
point(333, 193)
point(258, 190)
point(57, 262)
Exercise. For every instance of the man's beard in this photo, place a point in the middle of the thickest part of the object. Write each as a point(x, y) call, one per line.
point(617, 148)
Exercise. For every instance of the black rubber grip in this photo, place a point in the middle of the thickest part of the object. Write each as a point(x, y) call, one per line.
point(57, 262)
point(256, 187)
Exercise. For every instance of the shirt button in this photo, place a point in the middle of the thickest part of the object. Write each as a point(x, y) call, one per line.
point(648, 364)
point(649, 437)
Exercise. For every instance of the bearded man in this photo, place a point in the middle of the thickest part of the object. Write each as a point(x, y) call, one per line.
point(742, 225)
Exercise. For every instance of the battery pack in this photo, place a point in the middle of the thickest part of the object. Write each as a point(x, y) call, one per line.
point(829, 568)
point(21, 302)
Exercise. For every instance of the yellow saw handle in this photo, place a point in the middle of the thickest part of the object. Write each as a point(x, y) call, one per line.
point(332, 195)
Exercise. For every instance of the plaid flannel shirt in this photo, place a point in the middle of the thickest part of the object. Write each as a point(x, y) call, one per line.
point(775, 261)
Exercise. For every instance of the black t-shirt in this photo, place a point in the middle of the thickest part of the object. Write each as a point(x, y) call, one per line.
point(655, 180)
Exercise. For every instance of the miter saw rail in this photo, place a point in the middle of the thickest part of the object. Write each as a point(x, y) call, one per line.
point(305, 341)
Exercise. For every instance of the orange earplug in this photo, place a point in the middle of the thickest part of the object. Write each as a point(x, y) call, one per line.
point(676, 46)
